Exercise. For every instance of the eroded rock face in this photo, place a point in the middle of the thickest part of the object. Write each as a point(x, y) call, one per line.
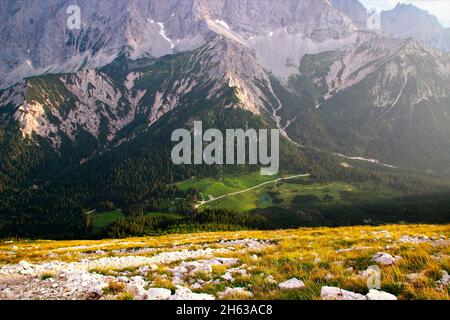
point(239, 46)
point(354, 10)
point(102, 104)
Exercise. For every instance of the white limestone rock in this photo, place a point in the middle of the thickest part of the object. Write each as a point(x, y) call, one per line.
point(292, 284)
point(144, 270)
point(123, 279)
point(379, 295)
point(414, 239)
point(196, 286)
point(228, 277)
point(183, 293)
point(136, 290)
point(157, 294)
point(193, 267)
point(385, 259)
point(334, 293)
point(138, 280)
point(445, 280)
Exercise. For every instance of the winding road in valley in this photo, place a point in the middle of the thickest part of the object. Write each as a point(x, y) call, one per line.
point(249, 189)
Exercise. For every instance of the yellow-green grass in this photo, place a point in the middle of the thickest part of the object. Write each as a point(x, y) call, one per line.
point(309, 254)
point(229, 184)
point(287, 190)
point(103, 219)
point(257, 198)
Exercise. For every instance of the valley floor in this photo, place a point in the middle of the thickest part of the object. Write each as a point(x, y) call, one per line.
point(398, 261)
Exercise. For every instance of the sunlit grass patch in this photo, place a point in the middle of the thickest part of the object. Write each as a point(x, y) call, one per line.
point(219, 270)
point(114, 288)
point(160, 282)
point(125, 296)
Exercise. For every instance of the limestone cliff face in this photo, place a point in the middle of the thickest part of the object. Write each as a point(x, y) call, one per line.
point(102, 102)
point(36, 40)
point(354, 10)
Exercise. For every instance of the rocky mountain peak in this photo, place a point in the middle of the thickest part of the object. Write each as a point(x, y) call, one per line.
point(406, 20)
point(354, 10)
point(36, 40)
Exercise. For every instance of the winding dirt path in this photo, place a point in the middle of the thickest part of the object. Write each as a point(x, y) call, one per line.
point(250, 189)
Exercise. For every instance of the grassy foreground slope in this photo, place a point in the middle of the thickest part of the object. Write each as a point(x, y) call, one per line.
point(213, 265)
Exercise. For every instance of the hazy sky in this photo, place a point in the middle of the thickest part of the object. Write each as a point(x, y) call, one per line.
point(439, 8)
